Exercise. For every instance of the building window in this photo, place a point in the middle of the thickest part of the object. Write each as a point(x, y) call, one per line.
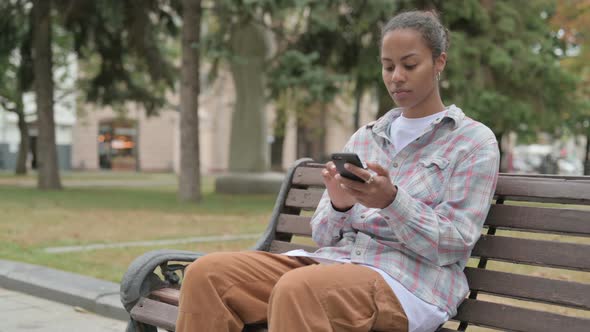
point(117, 145)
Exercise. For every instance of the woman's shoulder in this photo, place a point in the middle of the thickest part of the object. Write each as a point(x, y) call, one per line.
point(477, 130)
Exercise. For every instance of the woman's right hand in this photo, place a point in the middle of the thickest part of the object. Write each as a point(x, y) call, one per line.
point(340, 199)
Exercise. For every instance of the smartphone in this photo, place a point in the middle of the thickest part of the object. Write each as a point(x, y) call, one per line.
point(341, 158)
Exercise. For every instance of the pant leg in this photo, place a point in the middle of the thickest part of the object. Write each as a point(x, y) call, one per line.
point(338, 297)
point(223, 291)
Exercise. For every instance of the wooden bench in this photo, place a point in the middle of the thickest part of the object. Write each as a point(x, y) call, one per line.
point(520, 273)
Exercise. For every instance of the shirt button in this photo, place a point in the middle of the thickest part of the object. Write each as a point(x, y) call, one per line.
point(342, 218)
point(358, 252)
point(386, 217)
point(395, 165)
point(362, 216)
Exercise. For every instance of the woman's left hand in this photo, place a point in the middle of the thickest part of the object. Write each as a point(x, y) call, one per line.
point(376, 192)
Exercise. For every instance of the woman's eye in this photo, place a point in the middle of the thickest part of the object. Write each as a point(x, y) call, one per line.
point(410, 67)
point(388, 68)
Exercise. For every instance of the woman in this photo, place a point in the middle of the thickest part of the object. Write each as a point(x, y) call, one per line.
point(392, 249)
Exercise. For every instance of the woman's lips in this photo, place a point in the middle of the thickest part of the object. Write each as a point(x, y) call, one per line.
point(401, 94)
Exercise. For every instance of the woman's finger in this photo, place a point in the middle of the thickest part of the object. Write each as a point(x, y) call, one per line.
point(361, 173)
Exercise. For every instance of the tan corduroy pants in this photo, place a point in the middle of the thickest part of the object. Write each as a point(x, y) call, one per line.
point(223, 291)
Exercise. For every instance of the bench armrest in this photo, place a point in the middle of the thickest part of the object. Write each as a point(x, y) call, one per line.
point(139, 279)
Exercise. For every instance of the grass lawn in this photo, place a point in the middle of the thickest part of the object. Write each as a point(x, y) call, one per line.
point(33, 220)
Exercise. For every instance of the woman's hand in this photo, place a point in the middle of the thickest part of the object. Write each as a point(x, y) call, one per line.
point(341, 200)
point(376, 192)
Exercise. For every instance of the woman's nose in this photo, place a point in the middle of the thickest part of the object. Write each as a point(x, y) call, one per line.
point(397, 75)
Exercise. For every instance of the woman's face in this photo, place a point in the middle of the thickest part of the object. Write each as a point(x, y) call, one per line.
point(408, 71)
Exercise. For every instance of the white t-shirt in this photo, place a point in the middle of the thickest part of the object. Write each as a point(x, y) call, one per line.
point(404, 130)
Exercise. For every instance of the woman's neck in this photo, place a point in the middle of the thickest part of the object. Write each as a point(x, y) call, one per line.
point(431, 105)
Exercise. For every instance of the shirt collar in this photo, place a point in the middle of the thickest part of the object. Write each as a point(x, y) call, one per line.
point(453, 113)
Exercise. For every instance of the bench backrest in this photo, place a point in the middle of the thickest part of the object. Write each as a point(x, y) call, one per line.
point(530, 270)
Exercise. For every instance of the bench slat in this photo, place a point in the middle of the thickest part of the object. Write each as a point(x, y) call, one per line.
point(535, 252)
point(155, 313)
point(306, 199)
point(309, 175)
point(562, 221)
point(512, 318)
point(566, 189)
point(535, 189)
point(532, 189)
point(547, 176)
point(567, 293)
point(281, 247)
point(568, 221)
point(296, 225)
point(166, 295)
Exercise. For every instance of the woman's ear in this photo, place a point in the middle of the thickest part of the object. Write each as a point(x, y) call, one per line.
point(440, 62)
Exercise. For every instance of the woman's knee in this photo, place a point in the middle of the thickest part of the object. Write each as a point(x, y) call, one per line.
point(293, 284)
point(202, 267)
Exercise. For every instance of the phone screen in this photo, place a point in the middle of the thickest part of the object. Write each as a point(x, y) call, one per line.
point(340, 159)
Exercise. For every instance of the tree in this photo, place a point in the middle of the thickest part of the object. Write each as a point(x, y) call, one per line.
point(572, 23)
point(189, 181)
point(42, 64)
point(124, 48)
point(16, 76)
point(337, 53)
point(302, 88)
point(238, 34)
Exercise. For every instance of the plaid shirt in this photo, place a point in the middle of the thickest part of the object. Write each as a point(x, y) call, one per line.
point(445, 179)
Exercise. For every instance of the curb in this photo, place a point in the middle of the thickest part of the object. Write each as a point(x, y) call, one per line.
point(95, 295)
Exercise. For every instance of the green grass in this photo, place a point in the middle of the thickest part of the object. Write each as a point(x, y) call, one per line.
point(31, 177)
point(148, 199)
point(33, 220)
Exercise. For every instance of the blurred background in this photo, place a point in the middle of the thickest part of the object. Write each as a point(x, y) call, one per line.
point(127, 113)
point(96, 85)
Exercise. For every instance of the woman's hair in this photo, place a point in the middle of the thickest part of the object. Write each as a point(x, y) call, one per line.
point(425, 22)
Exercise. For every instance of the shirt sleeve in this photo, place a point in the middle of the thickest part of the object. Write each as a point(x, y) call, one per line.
point(327, 224)
point(448, 232)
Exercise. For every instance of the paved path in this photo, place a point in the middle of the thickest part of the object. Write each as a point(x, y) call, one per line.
point(20, 312)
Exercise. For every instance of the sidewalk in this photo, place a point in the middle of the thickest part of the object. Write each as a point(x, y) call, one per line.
point(21, 312)
point(37, 298)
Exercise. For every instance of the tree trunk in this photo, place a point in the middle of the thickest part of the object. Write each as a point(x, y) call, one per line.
point(276, 148)
point(311, 133)
point(587, 156)
point(23, 147)
point(499, 139)
point(358, 95)
point(48, 175)
point(321, 132)
point(189, 188)
point(303, 148)
point(249, 150)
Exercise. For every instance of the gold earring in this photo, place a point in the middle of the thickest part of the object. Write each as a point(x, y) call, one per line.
point(438, 76)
